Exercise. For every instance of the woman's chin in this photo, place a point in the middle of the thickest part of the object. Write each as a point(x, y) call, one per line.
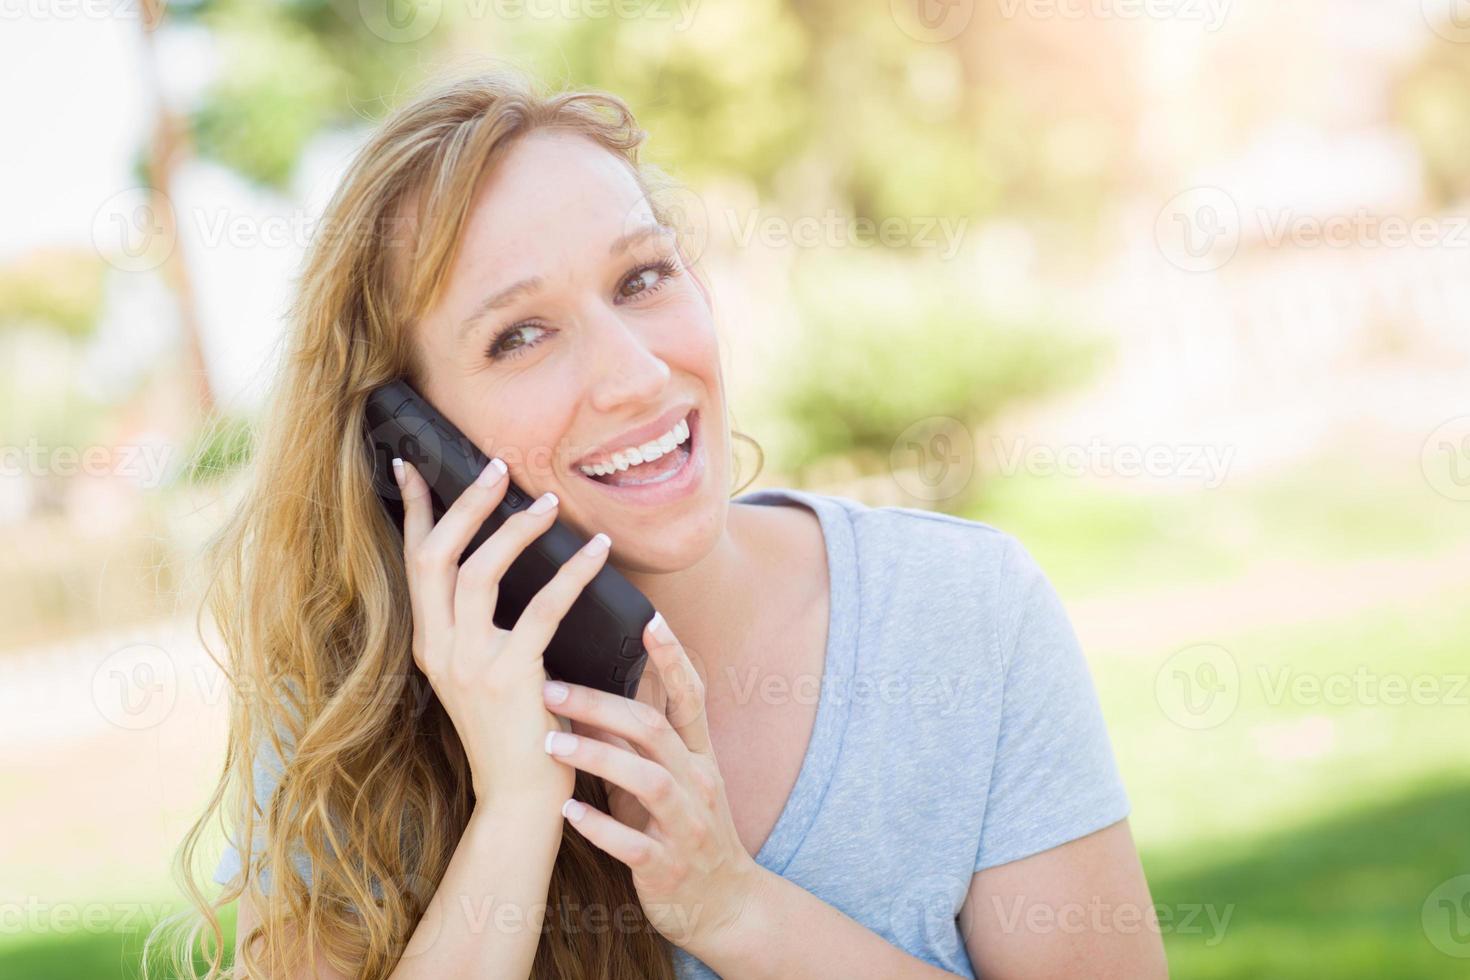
point(664, 522)
point(649, 544)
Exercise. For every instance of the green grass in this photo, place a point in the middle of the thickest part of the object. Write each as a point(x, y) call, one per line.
point(92, 955)
point(1342, 897)
point(1283, 758)
point(1094, 539)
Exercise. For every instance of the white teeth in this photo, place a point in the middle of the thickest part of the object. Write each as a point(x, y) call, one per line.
point(646, 453)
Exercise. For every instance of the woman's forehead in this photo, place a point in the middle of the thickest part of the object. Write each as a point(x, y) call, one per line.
point(551, 197)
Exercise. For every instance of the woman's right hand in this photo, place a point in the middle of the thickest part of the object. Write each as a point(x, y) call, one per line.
point(489, 679)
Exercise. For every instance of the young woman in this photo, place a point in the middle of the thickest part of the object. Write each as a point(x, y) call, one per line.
point(865, 744)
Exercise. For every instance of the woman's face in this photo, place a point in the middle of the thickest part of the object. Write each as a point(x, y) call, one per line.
point(569, 331)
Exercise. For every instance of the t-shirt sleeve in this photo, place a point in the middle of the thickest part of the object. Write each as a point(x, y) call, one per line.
point(1054, 777)
point(267, 768)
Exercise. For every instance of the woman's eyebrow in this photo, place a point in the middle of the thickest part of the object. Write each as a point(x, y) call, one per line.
point(494, 302)
point(627, 240)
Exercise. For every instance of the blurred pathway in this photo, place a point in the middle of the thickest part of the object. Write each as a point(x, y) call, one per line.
point(1269, 594)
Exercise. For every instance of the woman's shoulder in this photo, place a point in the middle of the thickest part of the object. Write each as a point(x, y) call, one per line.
point(928, 574)
point(914, 543)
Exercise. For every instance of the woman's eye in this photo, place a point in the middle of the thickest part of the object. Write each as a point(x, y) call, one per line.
point(506, 344)
point(646, 279)
point(512, 342)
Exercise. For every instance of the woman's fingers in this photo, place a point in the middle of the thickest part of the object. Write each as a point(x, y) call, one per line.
point(632, 847)
point(683, 687)
point(431, 549)
point(429, 600)
point(440, 550)
point(446, 541)
point(653, 785)
point(543, 614)
point(643, 727)
point(478, 585)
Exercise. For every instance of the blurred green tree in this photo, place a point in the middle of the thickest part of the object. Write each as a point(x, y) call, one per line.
point(1432, 102)
point(890, 342)
point(54, 288)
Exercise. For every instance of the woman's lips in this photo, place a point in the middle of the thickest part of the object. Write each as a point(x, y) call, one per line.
point(691, 465)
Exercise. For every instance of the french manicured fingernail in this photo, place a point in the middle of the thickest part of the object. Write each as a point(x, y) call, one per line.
point(398, 471)
point(598, 544)
point(574, 810)
point(543, 503)
point(555, 692)
point(492, 473)
point(658, 627)
point(560, 743)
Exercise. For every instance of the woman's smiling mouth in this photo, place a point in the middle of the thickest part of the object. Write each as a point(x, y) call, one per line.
point(637, 462)
point(655, 472)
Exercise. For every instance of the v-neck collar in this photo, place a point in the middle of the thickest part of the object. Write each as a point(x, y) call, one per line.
point(820, 760)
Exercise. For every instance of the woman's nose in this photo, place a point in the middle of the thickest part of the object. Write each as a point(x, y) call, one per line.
point(621, 365)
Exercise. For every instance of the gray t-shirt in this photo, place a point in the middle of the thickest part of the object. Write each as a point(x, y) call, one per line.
point(957, 727)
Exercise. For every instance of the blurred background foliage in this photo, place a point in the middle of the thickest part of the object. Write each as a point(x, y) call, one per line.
point(1339, 539)
point(54, 289)
point(885, 343)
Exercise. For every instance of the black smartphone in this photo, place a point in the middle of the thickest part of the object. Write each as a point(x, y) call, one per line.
point(599, 642)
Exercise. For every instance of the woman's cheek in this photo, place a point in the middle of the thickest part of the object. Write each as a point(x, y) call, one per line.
point(694, 341)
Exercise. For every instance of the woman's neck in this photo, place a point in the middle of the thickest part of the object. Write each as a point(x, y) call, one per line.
point(716, 604)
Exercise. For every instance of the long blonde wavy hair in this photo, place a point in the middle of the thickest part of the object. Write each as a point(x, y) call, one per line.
point(307, 589)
